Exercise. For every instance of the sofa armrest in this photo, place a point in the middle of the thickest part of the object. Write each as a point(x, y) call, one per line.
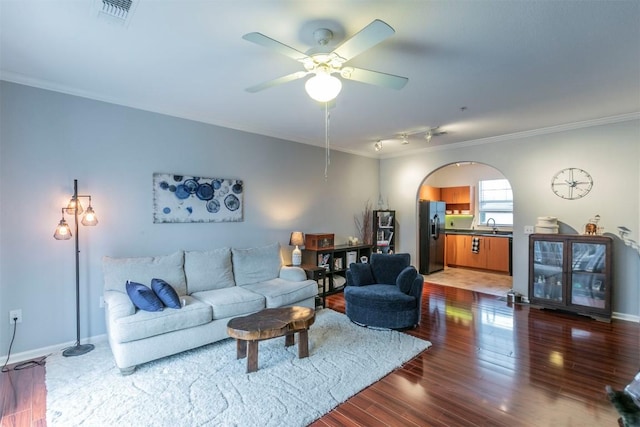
point(416, 288)
point(295, 274)
point(349, 278)
point(118, 304)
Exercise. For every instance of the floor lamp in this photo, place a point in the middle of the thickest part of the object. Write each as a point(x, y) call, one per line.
point(63, 232)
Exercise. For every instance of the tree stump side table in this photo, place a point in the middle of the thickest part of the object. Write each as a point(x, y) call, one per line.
point(271, 323)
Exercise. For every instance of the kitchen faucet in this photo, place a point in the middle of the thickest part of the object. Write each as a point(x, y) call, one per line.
point(494, 228)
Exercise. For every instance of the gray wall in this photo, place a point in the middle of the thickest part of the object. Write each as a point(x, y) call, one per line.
point(48, 139)
point(609, 152)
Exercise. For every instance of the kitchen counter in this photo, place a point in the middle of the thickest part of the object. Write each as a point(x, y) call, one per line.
point(487, 233)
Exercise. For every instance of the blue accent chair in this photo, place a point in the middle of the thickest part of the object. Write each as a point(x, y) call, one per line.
point(386, 293)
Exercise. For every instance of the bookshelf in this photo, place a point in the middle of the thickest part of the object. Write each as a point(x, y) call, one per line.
point(384, 228)
point(336, 261)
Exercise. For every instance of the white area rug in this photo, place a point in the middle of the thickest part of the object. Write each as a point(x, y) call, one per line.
point(209, 386)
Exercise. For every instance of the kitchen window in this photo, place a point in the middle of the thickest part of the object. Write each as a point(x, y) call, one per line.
point(495, 200)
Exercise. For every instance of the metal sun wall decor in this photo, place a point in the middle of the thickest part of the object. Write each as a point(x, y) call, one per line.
point(180, 198)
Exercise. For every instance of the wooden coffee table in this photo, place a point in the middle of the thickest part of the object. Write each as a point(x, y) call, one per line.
point(271, 323)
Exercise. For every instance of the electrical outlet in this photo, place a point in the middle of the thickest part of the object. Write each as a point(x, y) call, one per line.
point(528, 229)
point(101, 302)
point(15, 314)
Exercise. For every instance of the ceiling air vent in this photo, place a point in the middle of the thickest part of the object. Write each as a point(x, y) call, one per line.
point(115, 11)
point(116, 8)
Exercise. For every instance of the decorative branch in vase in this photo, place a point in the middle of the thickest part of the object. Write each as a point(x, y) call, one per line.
point(363, 224)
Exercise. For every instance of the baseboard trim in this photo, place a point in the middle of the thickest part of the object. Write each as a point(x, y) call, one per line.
point(626, 317)
point(46, 351)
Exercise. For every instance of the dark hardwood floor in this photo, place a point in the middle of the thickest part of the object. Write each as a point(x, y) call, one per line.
point(491, 364)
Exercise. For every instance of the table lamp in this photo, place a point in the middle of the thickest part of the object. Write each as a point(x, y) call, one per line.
point(297, 239)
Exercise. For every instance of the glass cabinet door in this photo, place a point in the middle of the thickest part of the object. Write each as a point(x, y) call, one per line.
point(588, 274)
point(547, 271)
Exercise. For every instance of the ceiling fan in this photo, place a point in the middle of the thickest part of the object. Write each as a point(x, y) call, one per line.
point(322, 63)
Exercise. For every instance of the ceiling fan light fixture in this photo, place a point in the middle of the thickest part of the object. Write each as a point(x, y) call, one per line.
point(405, 139)
point(323, 87)
point(378, 145)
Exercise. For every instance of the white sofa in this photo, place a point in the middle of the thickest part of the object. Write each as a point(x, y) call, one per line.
point(216, 286)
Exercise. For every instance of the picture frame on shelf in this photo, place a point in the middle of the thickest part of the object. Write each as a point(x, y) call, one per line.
point(323, 260)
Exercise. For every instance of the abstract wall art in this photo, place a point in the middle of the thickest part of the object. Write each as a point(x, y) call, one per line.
point(181, 198)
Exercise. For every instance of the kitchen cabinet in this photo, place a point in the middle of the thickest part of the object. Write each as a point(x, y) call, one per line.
point(571, 272)
point(498, 253)
point(450, 249)
point(428, 192)
point(465, 257)
point(458, 198)
point(455, 195)
point(452, 243)
point(493, 252)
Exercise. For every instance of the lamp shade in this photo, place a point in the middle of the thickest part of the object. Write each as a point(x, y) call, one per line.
point(323, 87)
point(296, 239)
point(89, 217)
point(73, 203)
point(63, 232)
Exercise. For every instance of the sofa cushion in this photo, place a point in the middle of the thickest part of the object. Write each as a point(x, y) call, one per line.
point(379, 298)
point(207, 270)
point(143, 297)
point(144, 324)
point(142, 270)
point(166, 293)
point(279, 292)
point(231, 302)
point(255, 265)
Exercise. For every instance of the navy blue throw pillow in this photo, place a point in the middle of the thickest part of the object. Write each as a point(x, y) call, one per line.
point(166, 293)
point(361, 274)
point(406, 278)
point(143, 297)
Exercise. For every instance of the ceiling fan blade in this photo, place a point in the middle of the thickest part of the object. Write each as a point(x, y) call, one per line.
point(366, 38)
point(280, 80)
point(262, 40)
point(374, 77)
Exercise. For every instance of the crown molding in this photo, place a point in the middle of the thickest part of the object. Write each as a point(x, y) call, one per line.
point(46, 85)
point(522, 135)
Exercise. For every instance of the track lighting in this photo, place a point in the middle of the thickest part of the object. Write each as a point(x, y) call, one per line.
point(429, 133)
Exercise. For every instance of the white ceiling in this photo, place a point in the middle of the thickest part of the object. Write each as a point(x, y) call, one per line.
point(516, 66)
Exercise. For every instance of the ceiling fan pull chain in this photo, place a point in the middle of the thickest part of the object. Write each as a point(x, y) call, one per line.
point(327, 161)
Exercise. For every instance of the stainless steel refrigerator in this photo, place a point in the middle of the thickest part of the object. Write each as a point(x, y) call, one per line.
point(432, 224)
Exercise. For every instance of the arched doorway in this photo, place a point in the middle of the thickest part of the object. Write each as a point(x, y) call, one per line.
point(477, 249)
